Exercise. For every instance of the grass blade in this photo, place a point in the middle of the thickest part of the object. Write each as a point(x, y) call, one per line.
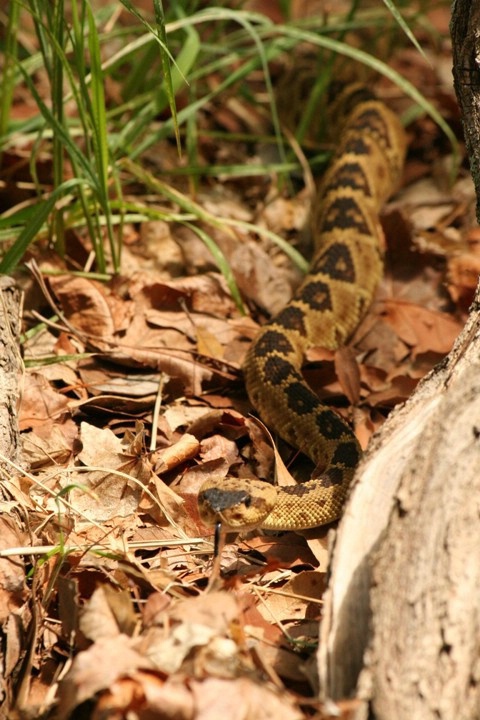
point(36, 220)
point(167, 74)
point(100, 137)
point(8, 77)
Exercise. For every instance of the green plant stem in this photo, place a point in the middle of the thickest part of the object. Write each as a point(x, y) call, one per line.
point(58, 112)
point(8, 77)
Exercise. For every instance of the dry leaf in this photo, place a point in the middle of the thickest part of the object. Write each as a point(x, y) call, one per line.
point(425, 330)
point(348, 373)
point(144, 696)
point(107, 614)
point(12, 571)
point(86, 306)
point(241, 699)
point(168, 458)
point(96, 669)
point(40, 404)
point(113, 494)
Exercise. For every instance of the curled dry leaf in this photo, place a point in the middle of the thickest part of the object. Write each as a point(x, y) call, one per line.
point(168, 458)
point(229, 422)
point(168, 651)
point(202, 622)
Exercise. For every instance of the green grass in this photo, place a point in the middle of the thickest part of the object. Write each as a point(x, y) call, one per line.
point(162, 68)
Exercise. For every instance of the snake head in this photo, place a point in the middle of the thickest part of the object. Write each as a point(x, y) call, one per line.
point(238, 503)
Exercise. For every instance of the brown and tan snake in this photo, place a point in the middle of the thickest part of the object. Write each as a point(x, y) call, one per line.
point(325, 310)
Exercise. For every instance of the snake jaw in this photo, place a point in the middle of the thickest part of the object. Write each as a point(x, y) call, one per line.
point(238, 503)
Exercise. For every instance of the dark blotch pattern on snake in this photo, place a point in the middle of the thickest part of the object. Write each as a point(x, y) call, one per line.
point(325, 310)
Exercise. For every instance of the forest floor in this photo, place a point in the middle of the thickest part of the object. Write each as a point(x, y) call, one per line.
point(132, 397)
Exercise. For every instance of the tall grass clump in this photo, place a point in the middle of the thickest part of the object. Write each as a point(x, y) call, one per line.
point(165, 70)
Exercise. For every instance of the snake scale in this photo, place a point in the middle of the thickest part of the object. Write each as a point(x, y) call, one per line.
point(325, 310)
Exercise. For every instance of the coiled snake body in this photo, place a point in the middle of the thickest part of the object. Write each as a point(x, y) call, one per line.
point(325, 310)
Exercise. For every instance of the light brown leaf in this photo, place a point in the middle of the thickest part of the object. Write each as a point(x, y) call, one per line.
point(241, 699)
point(348, 373)
point(96, 669)
point(168, 458)
point(85, 304)
point(145, 696)
point(423, 329)
point(12, 570)
point(40, 402)
point(115, 495)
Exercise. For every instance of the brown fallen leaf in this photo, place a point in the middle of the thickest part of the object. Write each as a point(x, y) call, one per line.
point(208, 343)
point(423, 329)
point(168, 458)
point(88, 306)
point(119, 481)
point(40, 404)
point(198, 629)
point(13, 590)
point(144, 696)
point(463, 274)
point(114, 489)
point(50, 442)
point(107, 614)
point(348, 373)
point(399, 388)
point(96, 669)
point(291, 602)
point(201, 294)
point(241, 699)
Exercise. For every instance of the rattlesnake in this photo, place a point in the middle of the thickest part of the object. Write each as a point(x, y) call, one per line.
point(325, 310)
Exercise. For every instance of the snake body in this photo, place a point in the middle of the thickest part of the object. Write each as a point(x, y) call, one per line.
point(325, 310)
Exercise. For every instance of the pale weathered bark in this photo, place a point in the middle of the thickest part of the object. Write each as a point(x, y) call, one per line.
point(10, 370)
point(402, 612)
point(12, 571)
point(401, 627)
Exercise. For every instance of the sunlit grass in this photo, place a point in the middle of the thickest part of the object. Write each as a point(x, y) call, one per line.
point(161, 67)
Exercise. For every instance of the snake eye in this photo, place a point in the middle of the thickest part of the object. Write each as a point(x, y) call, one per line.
point(248, 501)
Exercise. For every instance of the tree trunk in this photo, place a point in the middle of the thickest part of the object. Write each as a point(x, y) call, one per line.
point(465, 31)
point(401, 626)
point(10, 369)
point(12, 571)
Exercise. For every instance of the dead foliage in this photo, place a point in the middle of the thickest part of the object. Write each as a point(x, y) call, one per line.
point(132, 396)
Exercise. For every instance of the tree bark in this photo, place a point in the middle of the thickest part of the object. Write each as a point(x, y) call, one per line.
point(465, 31)
point(12, 570)
point(10, 369)
point(401, 625)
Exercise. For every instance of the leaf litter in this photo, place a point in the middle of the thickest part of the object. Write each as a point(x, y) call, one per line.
point(107, 599)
